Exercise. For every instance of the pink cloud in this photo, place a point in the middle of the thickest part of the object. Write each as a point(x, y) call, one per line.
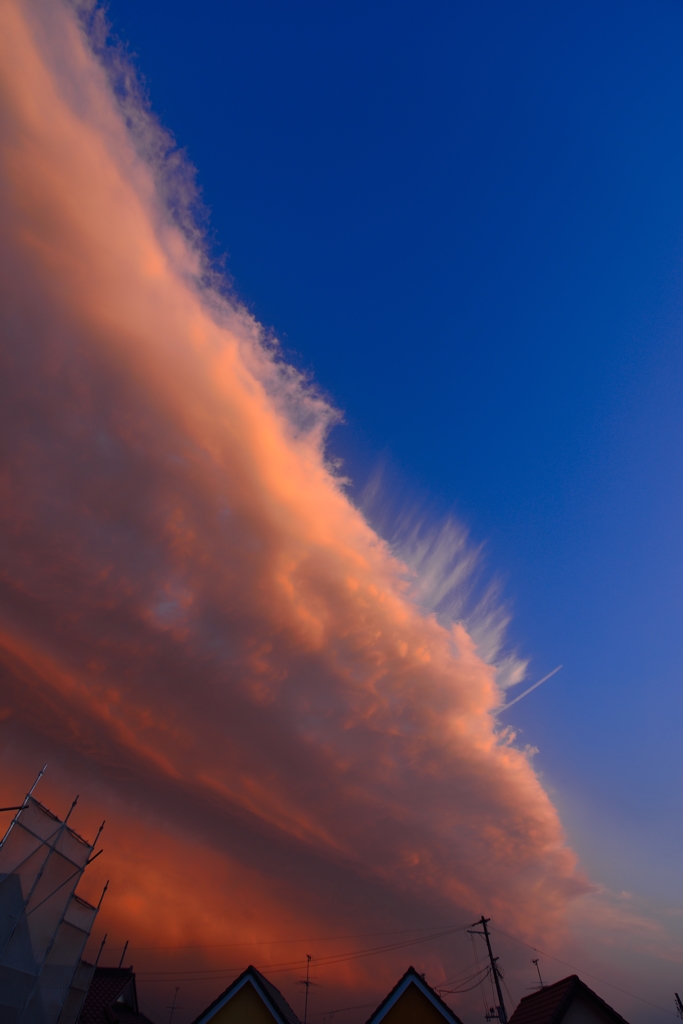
point(192, 612)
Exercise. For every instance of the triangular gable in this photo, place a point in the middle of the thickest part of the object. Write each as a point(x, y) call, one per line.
point(550, 1004)
point(403, 993)
point(107, 985)
point(271, 998)
point(111, 998)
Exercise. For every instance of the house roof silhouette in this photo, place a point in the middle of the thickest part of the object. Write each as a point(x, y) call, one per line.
point(271, 997)
point(414, 993)
point(112, 998)
point(550, 1004)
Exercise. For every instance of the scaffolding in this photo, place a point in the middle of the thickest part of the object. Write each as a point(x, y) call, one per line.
point(44, 925)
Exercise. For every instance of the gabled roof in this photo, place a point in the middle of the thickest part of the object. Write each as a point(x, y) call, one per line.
point(411, 977)
point(272, 997)
point(549, 1004)
point(108, 986)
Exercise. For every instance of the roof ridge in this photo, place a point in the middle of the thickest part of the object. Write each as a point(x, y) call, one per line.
point(420, 981)
point(274, 993)
point(548, 1004)
point(271, 994)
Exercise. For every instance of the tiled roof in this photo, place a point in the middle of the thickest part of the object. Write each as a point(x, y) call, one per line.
point(105, 988)
point(412, 975)
point(279, 1004)
point(100, 1005)
point(549, 1004)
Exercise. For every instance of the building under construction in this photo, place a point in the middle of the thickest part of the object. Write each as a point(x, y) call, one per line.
point(44, 925)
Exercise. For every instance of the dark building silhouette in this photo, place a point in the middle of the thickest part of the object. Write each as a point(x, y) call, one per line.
point(251, 999)
point(112, 998)
point(569, 1001)
point(413, 1001)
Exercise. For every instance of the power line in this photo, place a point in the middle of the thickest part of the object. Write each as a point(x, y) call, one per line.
point(479, 978)
point(296, 964)
point(282, 942)
point(476, 958)
point(345, 1009)
point(462, 991)
point(458, 978)
point(587, 973)
point(213, 973)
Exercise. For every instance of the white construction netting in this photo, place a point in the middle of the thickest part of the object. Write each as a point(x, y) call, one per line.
point(43, 924)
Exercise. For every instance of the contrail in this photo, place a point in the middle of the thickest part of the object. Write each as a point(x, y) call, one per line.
point(545, 678)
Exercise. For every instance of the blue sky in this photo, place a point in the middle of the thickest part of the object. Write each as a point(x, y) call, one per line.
point(466, 221)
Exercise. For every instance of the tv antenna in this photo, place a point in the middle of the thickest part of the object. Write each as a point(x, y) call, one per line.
point(174, 1005)
point(539, 972)
point(308, 984)
point(499, 1012)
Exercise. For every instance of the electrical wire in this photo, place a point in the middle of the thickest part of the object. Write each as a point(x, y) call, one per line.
point(588, 975)
point(345, 1009)
point(512, 1001)
point(481, 983)
point(482, 974)
point(461, 991)
point(465, 976)
point(281, 942)
point(208, 973)
point(459, 979)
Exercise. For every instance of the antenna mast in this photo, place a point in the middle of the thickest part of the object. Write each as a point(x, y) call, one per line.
point(174, 1005)
point(500, 1013)
point(539, 972)
point(307, 983)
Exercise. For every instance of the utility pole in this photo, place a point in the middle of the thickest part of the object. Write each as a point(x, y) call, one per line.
point(501, 1014)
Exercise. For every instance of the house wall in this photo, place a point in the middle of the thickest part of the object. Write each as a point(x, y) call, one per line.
point(413, 1008)
point(582, 1012)
point(245, 1007)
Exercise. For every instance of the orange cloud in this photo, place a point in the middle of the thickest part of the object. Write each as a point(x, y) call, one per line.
point(193, 614)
